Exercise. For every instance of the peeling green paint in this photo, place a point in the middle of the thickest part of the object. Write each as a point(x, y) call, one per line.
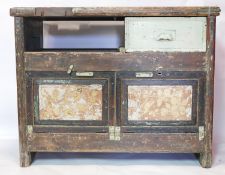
point(36, 106)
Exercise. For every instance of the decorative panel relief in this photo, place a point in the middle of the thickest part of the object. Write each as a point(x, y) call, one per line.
point(70, 102)
point(162, 103)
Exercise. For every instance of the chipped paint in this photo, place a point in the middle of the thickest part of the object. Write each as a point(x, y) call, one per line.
point(165, 34)
point(70, 102)
point(159, 103)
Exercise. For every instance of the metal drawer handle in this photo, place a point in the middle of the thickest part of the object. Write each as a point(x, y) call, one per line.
point(165, 37)
point(70, 69)
point(75, 10)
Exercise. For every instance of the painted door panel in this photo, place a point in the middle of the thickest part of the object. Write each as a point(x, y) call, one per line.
point(82, 103)
point(169, 99)
point(70, 102)
point(160, 102)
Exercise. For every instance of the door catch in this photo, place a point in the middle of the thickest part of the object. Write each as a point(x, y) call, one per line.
point(70, 69)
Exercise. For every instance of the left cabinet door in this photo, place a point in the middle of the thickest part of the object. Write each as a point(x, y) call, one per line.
point(58, 102)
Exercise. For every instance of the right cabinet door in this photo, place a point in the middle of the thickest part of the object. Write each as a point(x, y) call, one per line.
point(160, 102)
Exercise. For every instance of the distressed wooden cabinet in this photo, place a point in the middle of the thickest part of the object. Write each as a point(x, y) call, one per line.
point(115, 80)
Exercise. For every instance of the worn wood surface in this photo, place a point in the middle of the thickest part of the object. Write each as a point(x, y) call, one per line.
point(35, 79)
point(195, 79)
point(206, 155)
point(25, 155)
point(137, 138)
point(114, 61)
point(144, 142)
point(113, 11)
point(33, 34)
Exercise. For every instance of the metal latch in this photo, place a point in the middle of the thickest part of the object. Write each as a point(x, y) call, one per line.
point(201, 131)
point(84, 74)
point(114, 133)
point(144, 74)
point(70, 69)
point(29, 129)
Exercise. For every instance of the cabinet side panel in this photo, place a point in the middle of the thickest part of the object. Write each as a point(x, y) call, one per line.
point(206, 155)
point(25, 157)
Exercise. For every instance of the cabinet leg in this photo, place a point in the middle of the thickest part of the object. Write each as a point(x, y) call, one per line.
point(205, 159)
point(26, 158)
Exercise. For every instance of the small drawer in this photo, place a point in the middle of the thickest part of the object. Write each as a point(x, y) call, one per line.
point(168, 34)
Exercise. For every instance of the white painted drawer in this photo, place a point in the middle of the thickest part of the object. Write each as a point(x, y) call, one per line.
point(168, 34)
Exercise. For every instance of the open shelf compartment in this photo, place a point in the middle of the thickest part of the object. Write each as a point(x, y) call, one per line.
point(83, 34)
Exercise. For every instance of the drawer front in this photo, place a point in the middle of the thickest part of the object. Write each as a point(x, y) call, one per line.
point(78, 100)
point(148, 101)
point(168, 34)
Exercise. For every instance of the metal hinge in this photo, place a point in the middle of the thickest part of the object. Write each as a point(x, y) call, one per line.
point(114, 133)
point(29, 129)
point(201, 131)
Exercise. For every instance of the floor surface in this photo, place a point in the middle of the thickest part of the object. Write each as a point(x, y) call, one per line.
point(107, 164)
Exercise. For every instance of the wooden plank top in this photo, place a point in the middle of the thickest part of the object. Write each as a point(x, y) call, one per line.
point(113, 11)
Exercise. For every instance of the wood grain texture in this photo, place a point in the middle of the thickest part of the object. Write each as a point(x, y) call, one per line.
point(139, 142)
point(114, 61)
point(25, 156)
point(75, 136)
point(196, 79)
point(113, 11)
point(206, 155)
point(35, 79)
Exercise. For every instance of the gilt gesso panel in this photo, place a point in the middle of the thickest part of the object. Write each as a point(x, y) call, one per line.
point(160, 103)
point(70, 102)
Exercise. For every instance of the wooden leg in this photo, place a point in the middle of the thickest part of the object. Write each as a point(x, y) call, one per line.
point(26, 158)
point(205, 159)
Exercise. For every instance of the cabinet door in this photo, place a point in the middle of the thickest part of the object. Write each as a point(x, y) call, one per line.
point(160, 101)
point(69, 103)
